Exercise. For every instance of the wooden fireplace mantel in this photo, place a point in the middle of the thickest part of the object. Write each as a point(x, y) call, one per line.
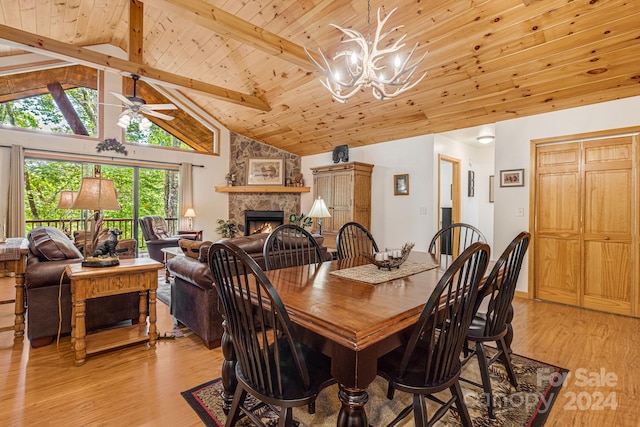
point(261, 189)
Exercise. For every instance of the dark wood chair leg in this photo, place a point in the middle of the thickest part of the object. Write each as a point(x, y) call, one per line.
point(486, 380)
point(505, 358)
point(465, 418)
point(234, 413)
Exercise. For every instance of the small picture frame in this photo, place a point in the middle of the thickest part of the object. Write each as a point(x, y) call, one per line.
point(512, 178)
point(491, 185)
point(401, 185)
point(471, 187)
point(265, 171)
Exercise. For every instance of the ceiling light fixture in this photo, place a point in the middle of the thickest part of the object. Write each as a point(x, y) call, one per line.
point(133, 116)
point(364, 64)
point(485, 139)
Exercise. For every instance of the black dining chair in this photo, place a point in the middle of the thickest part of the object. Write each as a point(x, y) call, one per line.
point(491, 325)
point(273, 365)
point(354, 239)
point(289, 245)
point(429, 362)
point(452, 240)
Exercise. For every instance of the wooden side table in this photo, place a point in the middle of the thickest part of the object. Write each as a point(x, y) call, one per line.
point(138, 274)
point(13, 258)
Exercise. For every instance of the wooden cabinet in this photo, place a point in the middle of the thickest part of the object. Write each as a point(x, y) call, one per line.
point(346, 189)
point(587, 224)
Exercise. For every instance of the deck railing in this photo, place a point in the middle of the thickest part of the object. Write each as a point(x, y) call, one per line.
point(75, 224)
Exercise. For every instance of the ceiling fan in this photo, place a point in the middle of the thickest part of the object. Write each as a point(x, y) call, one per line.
point(135, 105)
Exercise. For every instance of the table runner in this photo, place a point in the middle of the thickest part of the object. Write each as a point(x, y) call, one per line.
point(371, 274)
point(10, 250)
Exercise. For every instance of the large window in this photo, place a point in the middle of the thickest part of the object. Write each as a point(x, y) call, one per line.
point(157, 193)
point(43, 113)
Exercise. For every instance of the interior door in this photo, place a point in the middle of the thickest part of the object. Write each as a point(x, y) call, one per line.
point(608, 232)
point(557, 244)
point(586, 224)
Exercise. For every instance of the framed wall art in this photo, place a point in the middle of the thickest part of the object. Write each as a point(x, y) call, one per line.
point(512, 178)
point(401, 185)
point(471, 187)
point(265, 171)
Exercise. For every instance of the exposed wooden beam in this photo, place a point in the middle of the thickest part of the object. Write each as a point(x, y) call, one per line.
point(39, 44)
point(229, 25)
point(136, 21)
point(65, 106)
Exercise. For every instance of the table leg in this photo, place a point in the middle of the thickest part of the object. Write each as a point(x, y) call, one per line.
point(19, 322)
point(229, 380)
point(153, 334)
point(79, 332)
point(352, 413)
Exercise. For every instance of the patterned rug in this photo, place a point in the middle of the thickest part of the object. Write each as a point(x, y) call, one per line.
point(529, 405)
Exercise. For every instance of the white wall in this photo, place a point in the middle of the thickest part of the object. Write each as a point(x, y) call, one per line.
point(396, 220)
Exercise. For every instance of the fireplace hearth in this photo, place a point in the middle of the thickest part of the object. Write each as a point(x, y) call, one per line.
point(262, 221)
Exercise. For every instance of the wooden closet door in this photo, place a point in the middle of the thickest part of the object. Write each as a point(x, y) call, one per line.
point(557, 244)
point(610, 205)
point(323, 183)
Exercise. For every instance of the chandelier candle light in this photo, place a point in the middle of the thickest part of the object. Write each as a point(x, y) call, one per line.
point(367, 65)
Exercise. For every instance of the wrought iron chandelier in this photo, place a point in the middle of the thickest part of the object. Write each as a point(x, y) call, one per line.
point(363, 64)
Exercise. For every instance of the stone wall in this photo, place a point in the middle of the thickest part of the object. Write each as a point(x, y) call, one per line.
point(242, 148)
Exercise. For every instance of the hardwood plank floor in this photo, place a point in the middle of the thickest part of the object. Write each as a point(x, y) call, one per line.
point(138, 386)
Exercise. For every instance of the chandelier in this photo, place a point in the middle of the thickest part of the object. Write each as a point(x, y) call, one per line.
point(363, 64)
point(130, 116)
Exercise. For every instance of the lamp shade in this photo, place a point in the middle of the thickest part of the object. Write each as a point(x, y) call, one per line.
point(67, 198)
point(319, 209)
point(97, 194)
point(190, 213)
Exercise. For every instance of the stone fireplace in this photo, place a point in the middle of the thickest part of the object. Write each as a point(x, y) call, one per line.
point(243, 148)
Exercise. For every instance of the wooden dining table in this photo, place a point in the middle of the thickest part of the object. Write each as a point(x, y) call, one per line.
point(354, 322)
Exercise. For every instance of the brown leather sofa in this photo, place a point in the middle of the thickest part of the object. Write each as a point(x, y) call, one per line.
point(50, 251)
point(194, 299)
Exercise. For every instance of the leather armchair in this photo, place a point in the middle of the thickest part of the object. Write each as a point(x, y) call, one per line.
point(156, 235)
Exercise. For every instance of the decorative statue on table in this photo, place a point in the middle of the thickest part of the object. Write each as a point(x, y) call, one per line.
point(105, 254)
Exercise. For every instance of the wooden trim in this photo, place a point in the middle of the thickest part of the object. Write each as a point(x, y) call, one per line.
point(75, 54)
point(261, 189)
point(521, 294)
point(226, 24)
point(136, 22)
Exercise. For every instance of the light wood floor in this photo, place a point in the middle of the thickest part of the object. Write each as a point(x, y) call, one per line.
point(138, 386)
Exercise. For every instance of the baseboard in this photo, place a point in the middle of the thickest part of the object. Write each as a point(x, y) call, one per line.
point(522, 294)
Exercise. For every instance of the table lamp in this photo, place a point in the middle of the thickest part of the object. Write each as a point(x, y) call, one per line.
point(96, 194)
point(66, 200)
point(190, 214)
point(319, 210)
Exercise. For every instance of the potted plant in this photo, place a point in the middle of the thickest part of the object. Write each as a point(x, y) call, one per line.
point(301, 221)
point(227, 229)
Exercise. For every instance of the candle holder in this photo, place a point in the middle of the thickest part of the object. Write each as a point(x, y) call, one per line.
point(389, 259)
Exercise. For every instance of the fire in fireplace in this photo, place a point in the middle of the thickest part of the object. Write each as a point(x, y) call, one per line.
point(262, 221)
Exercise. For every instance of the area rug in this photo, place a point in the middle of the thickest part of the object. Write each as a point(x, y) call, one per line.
point(163, 293)
point(529, 405)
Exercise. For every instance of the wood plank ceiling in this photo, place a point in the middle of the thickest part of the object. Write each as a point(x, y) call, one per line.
point(488, 60)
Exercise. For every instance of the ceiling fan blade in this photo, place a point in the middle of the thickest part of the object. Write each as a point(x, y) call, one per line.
point(156, 114)
point(122, 98)
point(160, 107)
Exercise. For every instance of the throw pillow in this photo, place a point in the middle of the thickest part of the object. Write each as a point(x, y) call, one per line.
point(190, 248)
point(51, 244)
